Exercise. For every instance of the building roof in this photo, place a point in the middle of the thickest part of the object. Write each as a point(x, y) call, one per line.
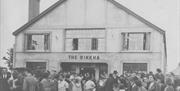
point(117, 4)
point(41, 15)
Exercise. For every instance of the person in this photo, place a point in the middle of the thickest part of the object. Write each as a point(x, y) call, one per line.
point(53, 82)
point(30, 82)
point(139, 85)
point(120, 86)
point(169, 86)
point(1, 79)
point(68, 80)
point(109, 83)
point(172, 77)
point(4, 81)
point(178, 89)
point(101, 83)
point(128, 83)
point(76, 84)
point(177, 83)
point(45, 83)
point(145, 82)
point(115, 76)
point(16, 84)
point(123, 82)
point(89, 85)
point(62, 84)
point(153, 86)
point(160, 84)
point(159, 75)
point(134, 87)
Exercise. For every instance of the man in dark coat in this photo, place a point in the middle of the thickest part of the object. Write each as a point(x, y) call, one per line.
point(30, 83)
point(4, 80)
point(159, 75)
point(109, 83)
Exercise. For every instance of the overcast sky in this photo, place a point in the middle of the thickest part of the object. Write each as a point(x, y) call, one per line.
point(163, 13)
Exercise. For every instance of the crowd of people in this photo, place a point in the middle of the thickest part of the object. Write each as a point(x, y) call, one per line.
point(39, 80)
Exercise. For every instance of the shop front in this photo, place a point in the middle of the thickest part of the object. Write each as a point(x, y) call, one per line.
point(93, 69)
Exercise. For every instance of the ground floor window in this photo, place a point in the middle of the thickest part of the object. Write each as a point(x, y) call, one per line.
point(134, 67)
point(80, 40)
point(36, 65)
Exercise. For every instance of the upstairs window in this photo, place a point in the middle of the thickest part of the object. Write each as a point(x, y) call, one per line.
point(85, 44)
point(136, 41)
point(85, 40)
point(37, 42)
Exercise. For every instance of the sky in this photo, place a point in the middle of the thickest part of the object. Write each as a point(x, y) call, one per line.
point(163, 13)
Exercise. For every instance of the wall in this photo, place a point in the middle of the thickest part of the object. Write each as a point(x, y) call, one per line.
point(91, 14)
point(114, 60)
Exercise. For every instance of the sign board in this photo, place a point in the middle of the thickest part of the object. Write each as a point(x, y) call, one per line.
point(83, 57)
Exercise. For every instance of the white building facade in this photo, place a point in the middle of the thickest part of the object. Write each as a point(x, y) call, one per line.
point(92, 36)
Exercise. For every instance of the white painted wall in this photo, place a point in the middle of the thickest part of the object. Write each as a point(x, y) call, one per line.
point(103, 14)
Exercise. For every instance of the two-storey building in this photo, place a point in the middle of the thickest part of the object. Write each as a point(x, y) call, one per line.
point(92, 36)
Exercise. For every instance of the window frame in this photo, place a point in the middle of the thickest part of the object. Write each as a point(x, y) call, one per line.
point(75, 45)
point(123, 64)
point(85, 29)
point(135, 61)
point(147, 34)
point(36, 60)
point(94, 44)
point(37, 33)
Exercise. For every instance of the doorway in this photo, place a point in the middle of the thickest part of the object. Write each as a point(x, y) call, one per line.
point(93, 69)
point(88, 71)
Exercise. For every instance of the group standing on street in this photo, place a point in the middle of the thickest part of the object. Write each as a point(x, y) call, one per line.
point(38, 80)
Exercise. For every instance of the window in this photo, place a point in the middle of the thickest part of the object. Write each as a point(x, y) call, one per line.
point(85, 40)
point(136, 41)
point(75, 44)
point(94, 43)
point(39, 42)
point(36, 65)
point(135, 67)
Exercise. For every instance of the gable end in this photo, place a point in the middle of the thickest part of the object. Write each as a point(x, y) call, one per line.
point(118, 5)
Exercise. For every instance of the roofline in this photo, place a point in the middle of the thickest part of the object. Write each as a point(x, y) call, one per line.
point(61, 1)
point(38, 17)
point(165, 50)
point(118, 5)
